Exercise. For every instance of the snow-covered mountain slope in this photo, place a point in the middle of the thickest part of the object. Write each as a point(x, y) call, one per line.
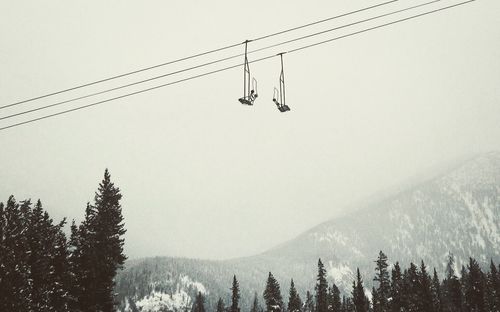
point(457, 212)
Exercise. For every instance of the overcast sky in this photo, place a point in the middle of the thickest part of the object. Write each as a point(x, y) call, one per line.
point(204, 176)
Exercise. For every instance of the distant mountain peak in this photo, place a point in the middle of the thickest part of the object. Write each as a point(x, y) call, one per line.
point(457, 211)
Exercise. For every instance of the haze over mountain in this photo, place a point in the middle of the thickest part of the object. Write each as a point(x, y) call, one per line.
point(457, 211)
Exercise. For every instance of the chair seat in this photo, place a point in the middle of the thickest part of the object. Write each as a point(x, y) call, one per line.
point(245, 101)
point(283, 108)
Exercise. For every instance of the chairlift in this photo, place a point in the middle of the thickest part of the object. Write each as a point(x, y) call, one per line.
point(282, 107)
point(249, 95)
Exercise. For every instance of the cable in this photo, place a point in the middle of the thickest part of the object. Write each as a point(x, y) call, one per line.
point(324, 20)
point(130, 94)
point(346, 25)
point(186, 58)
point(117, 88)
point(380, 26)
point(216, 61)
point(235, 66)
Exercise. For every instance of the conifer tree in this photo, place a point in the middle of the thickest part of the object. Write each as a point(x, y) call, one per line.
point(272, 295)
point(75, 268)
point(436, 293)
point(411, 288)
point(294, 302)
point(3, 259)
point(14, 271)
point(425, 289)
point(359, 299)
point(82, 263)
point(396, 288)
point(376, 307)
point(235, 295)
point(108, 229)
point(255, 304)
point(493, 284)
point(384, 285)
point(199, 303)
point(321, 289)
point(309, 304)
point(221, 308)
point(96, 247)
point(452, 293)
point(38, 259)
point(335, 303)
point(347, 305)
point(474, 287)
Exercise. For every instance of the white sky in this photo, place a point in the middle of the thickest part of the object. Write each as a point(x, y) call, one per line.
point(203, 176)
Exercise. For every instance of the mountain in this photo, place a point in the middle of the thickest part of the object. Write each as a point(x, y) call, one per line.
point(457, 211)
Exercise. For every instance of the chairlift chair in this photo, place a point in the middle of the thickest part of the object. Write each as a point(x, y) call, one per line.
point(249, 95)
point(282, 107)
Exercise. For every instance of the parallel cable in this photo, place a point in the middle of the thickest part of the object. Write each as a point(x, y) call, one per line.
point(130, 94)
point(235, 66)
point(188, 57)
point(380, 26)
point(216, 61)
point(346, 25)
point(324, 20)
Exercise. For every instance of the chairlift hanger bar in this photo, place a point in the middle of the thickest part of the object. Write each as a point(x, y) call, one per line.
point(190, 57)
point(235, 66)
point(210, 63)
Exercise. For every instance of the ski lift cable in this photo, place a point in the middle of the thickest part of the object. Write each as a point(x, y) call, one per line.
point(232, 67)
point(346, 25)
point(189, 57)
point(214, 62)
point(381, 26)
point(324, 20)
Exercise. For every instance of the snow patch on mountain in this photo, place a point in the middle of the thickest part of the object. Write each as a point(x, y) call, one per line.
point(159, 301)
point(165, 296)
point(340, 272)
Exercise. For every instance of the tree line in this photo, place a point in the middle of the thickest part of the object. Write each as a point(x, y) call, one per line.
point(43, 270)
point(413, 289)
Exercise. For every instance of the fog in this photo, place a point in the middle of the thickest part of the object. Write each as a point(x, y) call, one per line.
point(204, 176)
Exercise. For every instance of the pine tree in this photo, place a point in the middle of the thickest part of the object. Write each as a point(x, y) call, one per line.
point(96, 251)
point(382, 277)
point(14, 274)
point(294, 302)
point(321, 289)
point(47, 262)
point(474, 287)
point(255, 304)
point(38, 259)
point(411, 288)
point(436, 293)
point(334, 304)
point(309, 304)
point(272, 295)
point(493, 285)
point(396, 288)
point(376, 307)
point(75, 264)
point(221, 308)
point(425, 289)
point(108, 245)
point(347, 305)
point(452, 293)
point(199, 303)
point(358, 294)
point(3, 259)
point(59, 296)
point(83, 264)
point(235, 295)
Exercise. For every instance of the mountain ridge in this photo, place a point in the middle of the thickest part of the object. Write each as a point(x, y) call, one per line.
point(455, 211)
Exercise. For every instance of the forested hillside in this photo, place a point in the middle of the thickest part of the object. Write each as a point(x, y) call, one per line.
point(456, 212)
